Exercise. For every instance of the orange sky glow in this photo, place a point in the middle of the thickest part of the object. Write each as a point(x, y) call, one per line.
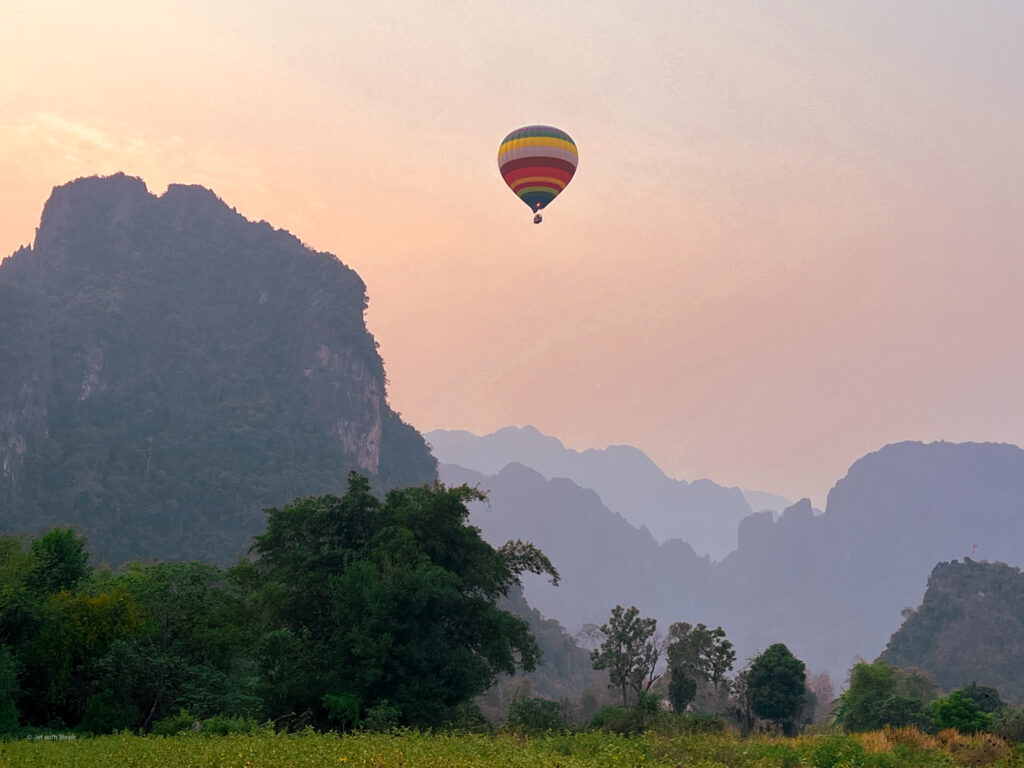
point(796, 233)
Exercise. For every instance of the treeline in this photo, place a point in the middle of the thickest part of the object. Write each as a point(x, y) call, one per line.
point(349, 611)
point(881, 695)
point(771, 693)
point(356, 612)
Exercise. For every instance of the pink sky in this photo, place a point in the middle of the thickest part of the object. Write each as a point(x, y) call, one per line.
point(795, 234)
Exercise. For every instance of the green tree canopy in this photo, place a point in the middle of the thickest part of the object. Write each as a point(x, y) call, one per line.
point(699, 652)
point(629, 651)
point(366, 601)
point(960, 712)
point(777, 682)
point(881, 694)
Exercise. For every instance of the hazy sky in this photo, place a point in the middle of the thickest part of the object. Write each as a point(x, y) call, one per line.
point(795, 234)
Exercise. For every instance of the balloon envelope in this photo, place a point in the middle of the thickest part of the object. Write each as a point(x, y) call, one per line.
point(537, 161)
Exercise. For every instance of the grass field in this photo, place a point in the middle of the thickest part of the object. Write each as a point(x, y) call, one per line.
point(888, 749)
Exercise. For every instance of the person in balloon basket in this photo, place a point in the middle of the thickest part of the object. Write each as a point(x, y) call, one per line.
point(538, 218)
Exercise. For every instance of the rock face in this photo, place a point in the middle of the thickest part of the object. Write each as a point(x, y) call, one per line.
point(169, 369)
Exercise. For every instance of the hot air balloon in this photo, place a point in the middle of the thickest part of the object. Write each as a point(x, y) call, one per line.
point(537, 162)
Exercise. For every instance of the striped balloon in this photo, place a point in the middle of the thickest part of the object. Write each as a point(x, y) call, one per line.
point(537, 161)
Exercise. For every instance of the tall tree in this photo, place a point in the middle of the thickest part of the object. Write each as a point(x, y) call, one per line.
point(629, 651)
point(820, 686)
point(371, 602)
point(59, 561)
point(699, 652)
point(776, 684)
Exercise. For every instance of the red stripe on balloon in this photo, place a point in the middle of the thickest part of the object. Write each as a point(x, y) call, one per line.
point(522, 173)
point(538, 162)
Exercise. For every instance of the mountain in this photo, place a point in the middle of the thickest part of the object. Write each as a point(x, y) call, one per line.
point(566, 673)
point(968, 628)
point(602, 559)
point(831, 586)
point(701, 513)
point(169, 369)
point(760, 501)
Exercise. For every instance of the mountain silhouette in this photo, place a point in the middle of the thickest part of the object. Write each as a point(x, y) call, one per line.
point(702, 513)
point(831, 586)
point(169, 369)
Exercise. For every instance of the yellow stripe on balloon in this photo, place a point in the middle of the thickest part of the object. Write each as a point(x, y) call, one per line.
point(526, 190)
point(537, 141)
point(542, 179)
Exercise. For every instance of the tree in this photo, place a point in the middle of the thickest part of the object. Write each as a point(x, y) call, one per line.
point(880, 694)
point(535, 714)
point(986, 697)
point(820, 685)
point(960, 712)
point(390, 601)
point(681, 689)
point(192, 650)
point(777, 681)
point(59, 561)
point(700, 653)
point(8, 690)
point(629, 651)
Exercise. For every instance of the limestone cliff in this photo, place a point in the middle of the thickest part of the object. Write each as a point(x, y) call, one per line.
point(168, 369)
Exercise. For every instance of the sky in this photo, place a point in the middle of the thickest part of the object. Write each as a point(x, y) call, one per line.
point(796, 233)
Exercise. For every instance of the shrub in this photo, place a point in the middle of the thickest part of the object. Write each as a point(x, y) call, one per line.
point(838, 750)
point(1009, 724)
point(976, 749)
point(466, 716)
point(222, 725)
point(103, 714)
point(911, 737)
point(615, 719)
point(535, 715)
point(184, 722)
point(687, 723)
point(179, 723)
point(381, 717)
point(342, 708)
point(959, 712)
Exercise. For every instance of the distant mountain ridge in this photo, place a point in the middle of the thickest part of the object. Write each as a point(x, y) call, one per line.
point(701, 513)
point(830, 586)
point(169, 369)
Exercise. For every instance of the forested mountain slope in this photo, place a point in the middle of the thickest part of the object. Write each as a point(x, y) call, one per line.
point(968, 628)
point(168, 369)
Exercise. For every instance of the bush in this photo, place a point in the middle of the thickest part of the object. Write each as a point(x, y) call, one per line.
point(535, 715)
point(975, 749)
point(677, 724)
point(959, 712)
point(1009, 724)
point(615, 719)
point(342, 708)
point(182, 722)
point(381, 717)
point(105, 715)
point(835, 751)
point(466, 716)
point(222, 726)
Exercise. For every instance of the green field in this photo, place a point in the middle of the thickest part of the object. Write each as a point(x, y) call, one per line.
point(895, 749)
